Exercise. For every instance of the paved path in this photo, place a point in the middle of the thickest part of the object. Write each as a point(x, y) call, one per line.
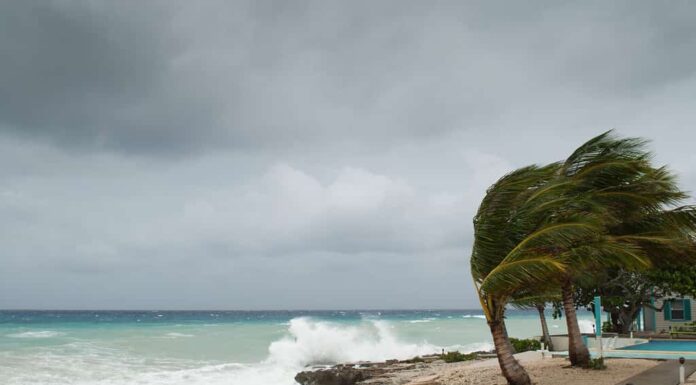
point(666, 373)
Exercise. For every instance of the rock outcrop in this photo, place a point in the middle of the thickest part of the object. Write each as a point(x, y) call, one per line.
point(338, 375)
point(420, 371)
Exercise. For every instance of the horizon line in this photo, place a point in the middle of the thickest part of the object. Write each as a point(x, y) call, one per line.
point(245, 310)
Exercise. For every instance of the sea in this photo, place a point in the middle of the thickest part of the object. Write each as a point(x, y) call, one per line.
point(231, 347)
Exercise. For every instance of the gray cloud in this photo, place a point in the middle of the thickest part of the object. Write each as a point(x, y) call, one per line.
point(174, 154)
point(168, 77)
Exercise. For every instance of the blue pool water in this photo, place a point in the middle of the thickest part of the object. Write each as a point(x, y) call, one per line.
point(665, 346)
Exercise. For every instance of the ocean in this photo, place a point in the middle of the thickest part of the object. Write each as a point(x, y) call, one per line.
point(230, 347)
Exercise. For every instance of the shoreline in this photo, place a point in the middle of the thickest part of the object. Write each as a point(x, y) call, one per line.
point(434, 371)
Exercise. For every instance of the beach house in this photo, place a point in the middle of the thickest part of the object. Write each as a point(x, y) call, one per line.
point(675, 312)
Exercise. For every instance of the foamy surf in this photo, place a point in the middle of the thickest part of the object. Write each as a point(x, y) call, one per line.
point(308, 342)
point(177, 335)
point(242, 348)
point(470, 348)
point(318, 342)
point(586, 326)
point(36, 334)
point(422, 321)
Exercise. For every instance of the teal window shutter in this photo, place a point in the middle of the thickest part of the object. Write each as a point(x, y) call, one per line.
point(668, 310)
point(687, 309)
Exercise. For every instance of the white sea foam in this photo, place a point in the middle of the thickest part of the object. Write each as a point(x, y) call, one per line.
point(224, 374)
point(177, 335)
point(308, 342)
point(424, 320)
point(468, 348)
point(37, 334)
point(481, 316)
point(317, 342)
point(586, 326)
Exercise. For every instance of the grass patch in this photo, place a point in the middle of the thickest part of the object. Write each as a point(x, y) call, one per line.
point(525, 345)
point(597, 364)
point(458, 357)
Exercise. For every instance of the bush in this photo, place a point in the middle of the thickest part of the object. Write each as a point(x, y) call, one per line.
point(607, 327)
point(525, 345)
point(458, 357)
point(597, 364)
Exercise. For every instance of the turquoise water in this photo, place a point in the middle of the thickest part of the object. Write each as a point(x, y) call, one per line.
point(234, 348)
point(667, 346)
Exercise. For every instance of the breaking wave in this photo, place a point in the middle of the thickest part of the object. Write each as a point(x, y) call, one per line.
point(316, 342)
point(307, 343)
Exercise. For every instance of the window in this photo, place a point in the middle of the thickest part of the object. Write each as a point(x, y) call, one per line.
point(677, 310)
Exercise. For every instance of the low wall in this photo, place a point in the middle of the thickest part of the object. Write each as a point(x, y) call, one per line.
point(614, 343)
point(560, 342)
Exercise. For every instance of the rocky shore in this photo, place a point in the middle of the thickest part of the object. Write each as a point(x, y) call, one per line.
point(417, 371)
point(433, 370)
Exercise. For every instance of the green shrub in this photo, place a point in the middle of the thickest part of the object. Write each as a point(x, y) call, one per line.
point(597, 364)
point(525, 345)
point(415, 359)
point(607, 327)
point(457, 357)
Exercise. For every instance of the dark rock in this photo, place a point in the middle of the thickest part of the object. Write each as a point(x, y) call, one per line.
point(418, 370)
point(335, 376)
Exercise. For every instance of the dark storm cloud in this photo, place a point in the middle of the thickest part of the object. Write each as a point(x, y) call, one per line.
point(68, 68)
point(174, 154)
point(179, 77)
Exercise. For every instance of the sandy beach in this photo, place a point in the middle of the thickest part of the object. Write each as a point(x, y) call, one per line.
point(551, 371)
point(543, 371)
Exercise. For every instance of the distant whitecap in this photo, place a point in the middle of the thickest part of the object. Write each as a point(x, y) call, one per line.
point(177, 335)
point(37, 334)
point(425, 320)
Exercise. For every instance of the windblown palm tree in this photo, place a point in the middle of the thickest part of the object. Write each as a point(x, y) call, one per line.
point(519, 231)
point(539, 228)
point(616, 176)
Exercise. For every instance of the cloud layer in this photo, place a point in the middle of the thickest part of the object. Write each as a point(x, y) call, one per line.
point(325, 154)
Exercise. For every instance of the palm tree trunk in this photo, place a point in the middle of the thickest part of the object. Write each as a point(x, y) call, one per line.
point(577, 351)
point(544, 326)
point(512, 370)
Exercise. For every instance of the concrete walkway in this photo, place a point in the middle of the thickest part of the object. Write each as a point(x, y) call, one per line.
point(666, 373)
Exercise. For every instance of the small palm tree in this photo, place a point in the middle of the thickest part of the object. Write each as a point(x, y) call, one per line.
point(538, 302)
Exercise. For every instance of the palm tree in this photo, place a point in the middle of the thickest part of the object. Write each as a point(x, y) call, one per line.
point(539, 229)
point(617, 175)
point(541, 308)
point(538, 302)
point(537, 221)
point(516, 235)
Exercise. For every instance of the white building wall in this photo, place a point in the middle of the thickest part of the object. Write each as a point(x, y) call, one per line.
point(662, 325)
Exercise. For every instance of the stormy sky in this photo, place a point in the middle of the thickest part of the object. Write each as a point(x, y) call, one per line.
point(303, 154)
